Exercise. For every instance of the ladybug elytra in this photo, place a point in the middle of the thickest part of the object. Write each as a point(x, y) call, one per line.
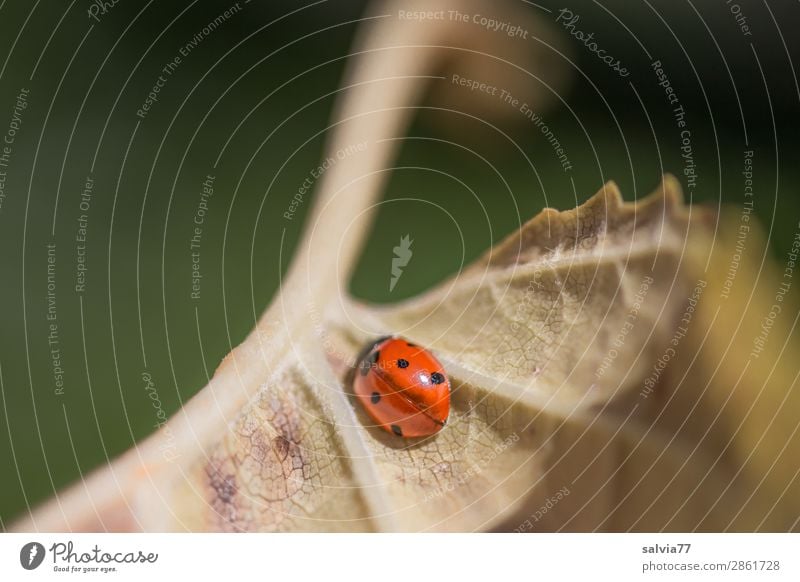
point(403, 387)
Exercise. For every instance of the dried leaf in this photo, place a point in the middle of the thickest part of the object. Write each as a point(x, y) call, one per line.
point(553, 427)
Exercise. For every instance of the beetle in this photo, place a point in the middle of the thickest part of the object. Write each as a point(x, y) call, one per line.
point(403, 387)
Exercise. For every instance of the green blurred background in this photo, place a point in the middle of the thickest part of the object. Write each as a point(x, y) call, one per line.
point(136, 314)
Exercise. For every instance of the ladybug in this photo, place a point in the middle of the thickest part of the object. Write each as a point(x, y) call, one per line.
point(403, 387)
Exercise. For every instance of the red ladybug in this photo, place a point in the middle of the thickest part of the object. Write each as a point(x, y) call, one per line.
point(403, 387)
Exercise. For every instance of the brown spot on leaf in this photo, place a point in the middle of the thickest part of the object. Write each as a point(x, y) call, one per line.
point(224, 485)
point(279, 468)
point(281, 447)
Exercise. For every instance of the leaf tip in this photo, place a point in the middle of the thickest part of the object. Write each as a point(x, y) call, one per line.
point(607, 199)
point(671, 190)
point(611, 195)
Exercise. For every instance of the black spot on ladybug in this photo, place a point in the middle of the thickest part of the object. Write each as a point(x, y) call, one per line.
point(397, 430)
point(411, 345)
point(437, 378)
point(401, 363)
point(375, 398)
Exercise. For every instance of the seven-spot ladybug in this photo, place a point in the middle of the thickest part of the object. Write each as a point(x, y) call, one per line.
point(403, 387)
